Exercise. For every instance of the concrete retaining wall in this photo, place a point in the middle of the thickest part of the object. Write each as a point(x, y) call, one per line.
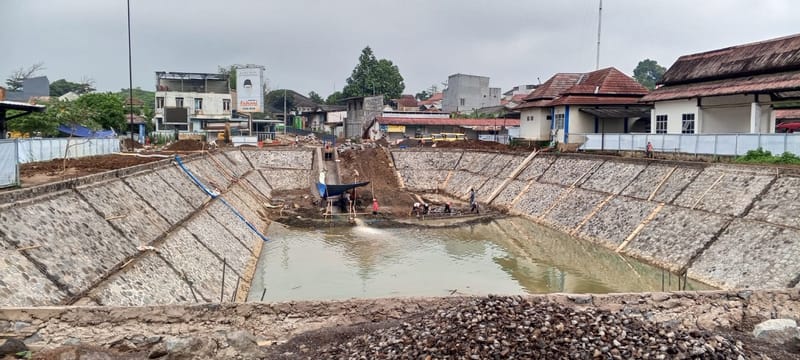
point(139, 237)
point(727, 225)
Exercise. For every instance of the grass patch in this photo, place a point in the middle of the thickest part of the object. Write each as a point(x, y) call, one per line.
point(761, 156)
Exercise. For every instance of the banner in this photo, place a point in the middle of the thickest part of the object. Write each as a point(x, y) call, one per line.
point(249, 89)
point(396, 128)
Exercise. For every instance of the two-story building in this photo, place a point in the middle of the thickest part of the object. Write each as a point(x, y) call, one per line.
point(191, 101)
point(360, 111)
point(465, 93)
point(729, 90)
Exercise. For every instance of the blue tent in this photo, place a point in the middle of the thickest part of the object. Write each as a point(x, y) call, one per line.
point(82, 131)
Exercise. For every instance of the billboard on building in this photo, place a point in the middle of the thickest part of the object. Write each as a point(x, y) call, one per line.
point(249, 89)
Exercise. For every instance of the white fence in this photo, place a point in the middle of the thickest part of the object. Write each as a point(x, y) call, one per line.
point(19, 151)
point(710, 144)
point(33, 150)
point(503, 139)
point(9, 168)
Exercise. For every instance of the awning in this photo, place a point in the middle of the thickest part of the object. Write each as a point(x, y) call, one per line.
point(618, 112)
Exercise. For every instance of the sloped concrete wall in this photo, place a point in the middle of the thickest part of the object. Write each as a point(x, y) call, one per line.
point(726, 225)
point(142, 237)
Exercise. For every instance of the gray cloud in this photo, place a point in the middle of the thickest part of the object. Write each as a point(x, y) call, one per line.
point(314, 45)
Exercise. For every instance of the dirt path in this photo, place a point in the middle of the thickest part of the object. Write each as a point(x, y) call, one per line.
point(374, 165)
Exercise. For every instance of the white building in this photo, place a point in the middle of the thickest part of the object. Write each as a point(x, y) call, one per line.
point(730, 90)
point(191, 101)
point(602, 101)
point(465, 93)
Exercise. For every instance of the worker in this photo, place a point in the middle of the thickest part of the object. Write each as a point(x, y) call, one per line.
point(374, 206)
point(425, 208)
point(447, 209)
point(648, 152)
point(473, 203)
point(415, 209)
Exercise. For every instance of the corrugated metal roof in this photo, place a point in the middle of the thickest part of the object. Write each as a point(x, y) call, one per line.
point(768, 83)
point(446, 122)
point(774, 55)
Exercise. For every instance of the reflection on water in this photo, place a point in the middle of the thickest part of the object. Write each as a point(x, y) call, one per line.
point(509, 256)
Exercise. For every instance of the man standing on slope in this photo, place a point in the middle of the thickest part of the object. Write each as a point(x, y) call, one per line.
point(472, 202)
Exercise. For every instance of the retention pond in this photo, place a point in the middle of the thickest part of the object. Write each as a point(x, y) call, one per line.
point(505, 256)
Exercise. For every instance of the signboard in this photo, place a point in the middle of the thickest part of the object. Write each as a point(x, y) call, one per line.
point(249, 89)
point(396, 128)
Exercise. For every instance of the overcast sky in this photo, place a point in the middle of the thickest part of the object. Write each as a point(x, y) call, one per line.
point(314, 44)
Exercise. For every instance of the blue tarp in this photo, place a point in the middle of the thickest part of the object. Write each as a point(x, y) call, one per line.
point(82, 131)
point(333, 190)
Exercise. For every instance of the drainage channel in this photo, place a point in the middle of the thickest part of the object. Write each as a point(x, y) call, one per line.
point(505, 256)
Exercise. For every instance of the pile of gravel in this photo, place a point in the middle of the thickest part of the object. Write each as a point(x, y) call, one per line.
point(515, 328)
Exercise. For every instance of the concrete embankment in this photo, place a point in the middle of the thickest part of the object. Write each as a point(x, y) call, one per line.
point(726, 225)
point(143, 235)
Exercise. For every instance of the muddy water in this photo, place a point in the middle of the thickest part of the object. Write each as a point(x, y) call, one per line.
point(508, 256)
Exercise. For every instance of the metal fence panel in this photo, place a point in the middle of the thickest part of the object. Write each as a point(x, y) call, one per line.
point(9, 167)
point(706, 144)
point(34, 150)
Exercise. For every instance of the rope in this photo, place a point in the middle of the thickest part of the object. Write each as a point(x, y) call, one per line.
point(214, 195)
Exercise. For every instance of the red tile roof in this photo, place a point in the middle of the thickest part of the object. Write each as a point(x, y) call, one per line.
point(407, 101)
point(604, 86)
point(436, 97)
point(786, 81)
point(769, 56)
point(554, 86)
point(384, 120)
point(787, 114)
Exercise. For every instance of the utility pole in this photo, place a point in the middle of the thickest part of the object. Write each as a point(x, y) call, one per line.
point(599, 25)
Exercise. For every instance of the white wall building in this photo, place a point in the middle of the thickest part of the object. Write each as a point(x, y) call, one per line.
point(191, 101)
point(465, 93)
point(729, 90)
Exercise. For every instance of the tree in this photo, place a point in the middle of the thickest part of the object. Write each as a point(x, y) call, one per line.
point(648, 73)
point(334, 98)
point(106, 109)
point(315, 97)
point(423, 95)
point(62, 86)
point(17, 78)
point(372, 76)
point(231, 72)
point(274, 99)
point(147, 98)
point(57, 113)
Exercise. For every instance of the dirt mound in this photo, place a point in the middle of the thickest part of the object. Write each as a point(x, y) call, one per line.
point(474, 145)
point(187, 145)
point(127, 143)
point(374, 165)
point(55, 170)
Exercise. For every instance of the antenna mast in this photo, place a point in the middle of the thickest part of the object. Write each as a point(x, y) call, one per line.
point(599, 25)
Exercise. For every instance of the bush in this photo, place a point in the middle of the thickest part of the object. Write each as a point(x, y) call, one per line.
point(761, 156)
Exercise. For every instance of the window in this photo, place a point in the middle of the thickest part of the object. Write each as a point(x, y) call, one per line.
point(178, 102)
point(198, 103)
point(160, 102)
point(529, 118)
point(559, 121)
point(687, 124)
point(661, 124)
point(226, 104)
point(462, 101)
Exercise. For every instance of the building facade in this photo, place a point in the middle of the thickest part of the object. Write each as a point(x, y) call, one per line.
point(191, 101)
point(361, 111)
point(465, 93)
point(730, 90)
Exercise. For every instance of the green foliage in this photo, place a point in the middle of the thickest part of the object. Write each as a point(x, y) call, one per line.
point(62, 86)
point(105, 109)
point(315, 97)
point(372, 76)
point(148, 98)
point(648, 73)
point(229, 70)
point(761, 156)
point(423, 95)
point(57, 113)
point(335, 98)
point(274, 99)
